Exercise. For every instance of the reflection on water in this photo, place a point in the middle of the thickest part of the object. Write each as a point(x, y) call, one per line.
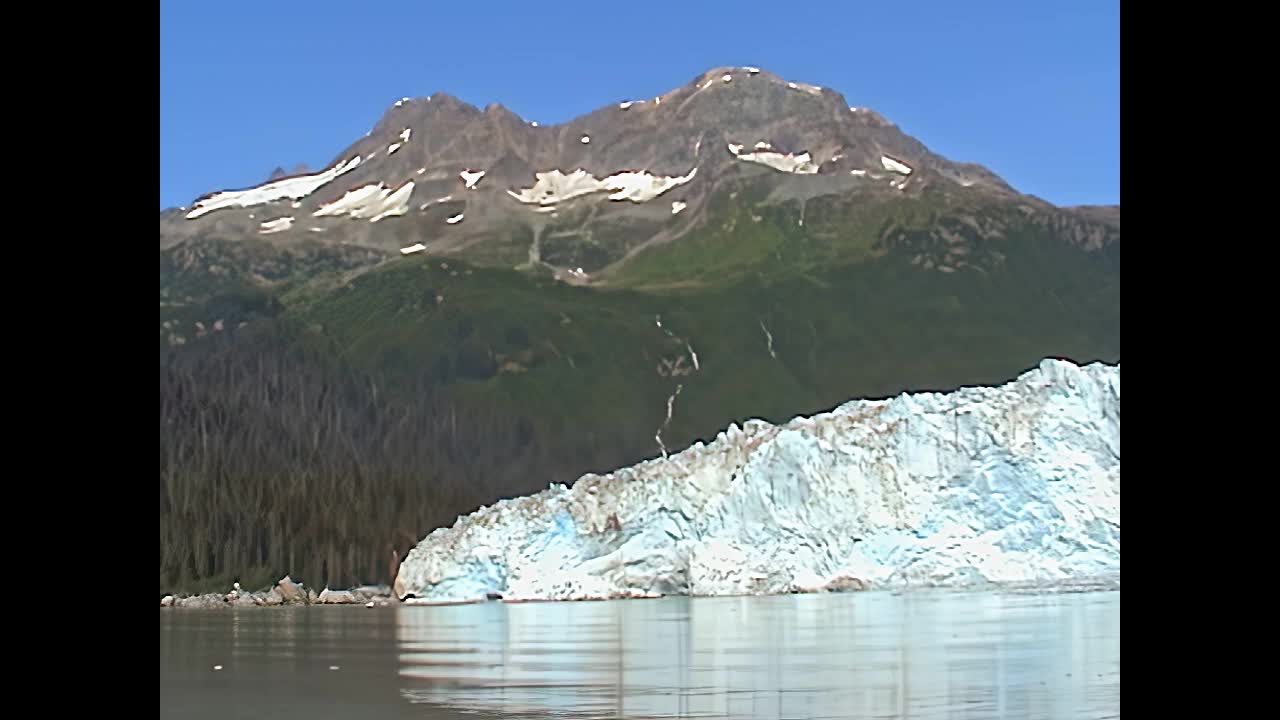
point(862, 655)
point(920, 655)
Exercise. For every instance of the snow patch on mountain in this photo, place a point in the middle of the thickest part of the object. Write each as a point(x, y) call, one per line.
point(469, 178)
point(275, 226)
point(293, 188)
point(374, 201)
point(1010, 484)
point(806, 88)
point(894, 165)
point(800, 164)
point(641, 186)
point(555, 186)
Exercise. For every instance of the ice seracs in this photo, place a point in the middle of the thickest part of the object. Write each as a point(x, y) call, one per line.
point(1012, 484)
point(293, 188)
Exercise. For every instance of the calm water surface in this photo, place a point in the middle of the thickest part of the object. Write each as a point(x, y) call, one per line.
point(917, 655)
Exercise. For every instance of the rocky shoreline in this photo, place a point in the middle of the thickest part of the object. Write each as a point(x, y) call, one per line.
point(288, 593)
point(285, 593)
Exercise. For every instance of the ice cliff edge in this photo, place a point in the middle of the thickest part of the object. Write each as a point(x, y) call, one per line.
point(1017, 483)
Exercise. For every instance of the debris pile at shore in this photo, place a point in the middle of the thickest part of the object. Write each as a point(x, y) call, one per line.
point(283, 593)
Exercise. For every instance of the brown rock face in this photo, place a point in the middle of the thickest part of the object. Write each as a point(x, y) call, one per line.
point(846, 584)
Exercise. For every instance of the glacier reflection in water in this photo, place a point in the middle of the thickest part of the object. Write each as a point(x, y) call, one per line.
point(862, 655)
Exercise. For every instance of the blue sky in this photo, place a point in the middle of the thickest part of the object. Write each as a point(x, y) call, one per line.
point(1028, 89)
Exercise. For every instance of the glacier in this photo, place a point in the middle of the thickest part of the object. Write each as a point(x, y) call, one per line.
point(1015, 484)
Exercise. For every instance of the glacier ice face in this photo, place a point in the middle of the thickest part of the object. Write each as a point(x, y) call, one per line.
point(1011, 484)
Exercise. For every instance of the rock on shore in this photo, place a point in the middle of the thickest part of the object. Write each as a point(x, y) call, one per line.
point(286, 592)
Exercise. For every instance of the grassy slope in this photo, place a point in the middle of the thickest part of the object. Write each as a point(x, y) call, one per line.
point(870, 326)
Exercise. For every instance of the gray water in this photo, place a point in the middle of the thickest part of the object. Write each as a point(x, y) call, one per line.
point(916, 655)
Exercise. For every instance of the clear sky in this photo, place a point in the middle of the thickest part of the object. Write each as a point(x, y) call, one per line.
point(1030, 89)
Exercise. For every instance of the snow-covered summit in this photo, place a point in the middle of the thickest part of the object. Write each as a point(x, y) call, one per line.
point(1017, 483)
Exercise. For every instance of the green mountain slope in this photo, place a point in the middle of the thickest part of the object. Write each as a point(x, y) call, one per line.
point(350, 401)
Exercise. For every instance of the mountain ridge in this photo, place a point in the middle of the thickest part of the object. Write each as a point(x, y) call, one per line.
point(445, 174)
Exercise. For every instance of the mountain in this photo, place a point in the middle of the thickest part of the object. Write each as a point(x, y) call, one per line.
point(464, 306)
point(603, 187)
point(1014, 484)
